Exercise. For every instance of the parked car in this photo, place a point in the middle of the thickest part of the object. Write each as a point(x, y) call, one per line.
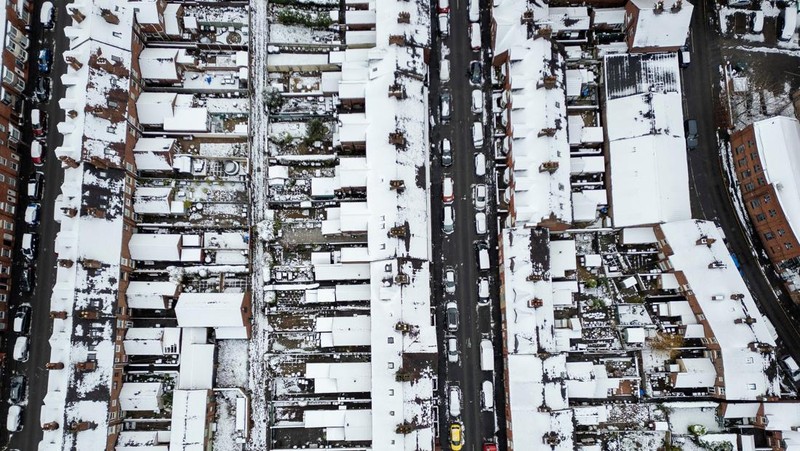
point(475, 73)
point(39, 122)
point(452, 350)
point(455, 401)
point(37, 153)
point(447, 153)
point(477, 101)
point(22, 320)
point(684, 57)
point(444, 6)
point(32, 214)
point(30, 246)
point(477, 134)
point(14, 419)
point(480, 223)
point(456, 438)
point(475, 36)
point(444, 71)
point(447, 190)
point(448, 219)
point(479, 196)
point(450, 281)
point(45, 59)
point(482, 253)
point(26, 279)
point(480, 164)
point(20, 353)
point(691, 134)
point(16, 388)
point(47, 15)
point(42, 89)
point(444, 104)
point(451, 311)
point(483, 290)
point(35, 186)
point(444, 24)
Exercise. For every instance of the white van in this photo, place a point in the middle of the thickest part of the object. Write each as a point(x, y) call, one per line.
point(480, 164)
point(788, 19)
point(455, 402)
point(477, 101)
point(487, 395)
point(14, 419)
point(474, 11)
point(47, 15)
point(483, 256)
point(21, 349)
point(477, 134)
point(444, 70)
point(487, 355)
point(475, 36)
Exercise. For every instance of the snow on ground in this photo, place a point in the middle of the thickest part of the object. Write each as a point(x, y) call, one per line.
point(636, 440)
point(259, 133)
point(296, 34)
point(231, 363)
point(684, 414)
point(226, 438)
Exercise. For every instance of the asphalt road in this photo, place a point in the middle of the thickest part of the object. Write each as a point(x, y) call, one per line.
point(709, 183)
point(457, 250)
point(31, 433)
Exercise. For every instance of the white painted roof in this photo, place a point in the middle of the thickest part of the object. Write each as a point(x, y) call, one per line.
point(188, 426)
point(209, 310)
point(156, 247)
point(667, 29)
point(140, 396)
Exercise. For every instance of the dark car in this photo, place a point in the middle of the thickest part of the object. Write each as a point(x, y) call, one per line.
point(35, 186)
point(45, 58)
point(42, 89)
point(16, 388)
point(22, 320)
point(475, 75)
point(30, 246)
point(26, 280)
point(691, 134)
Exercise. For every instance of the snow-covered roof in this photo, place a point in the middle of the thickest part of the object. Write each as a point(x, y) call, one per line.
point(342, 424)
point(162, 63)
point(529, 337)
point(188, 426)
point(197, 366)
point(343, 330)
point(572, 18)
point(538, 195)
point(781, 416)
point(140, 396)
point(778, 141)
point(668, 28)
point(341, 377)
point(150, 294)
point(713, 279)
point(155, 247)
point(695, 373)
point(608, 16)
point(153, 107)
point(217, 310)
point(647, 151)
point(152, 340)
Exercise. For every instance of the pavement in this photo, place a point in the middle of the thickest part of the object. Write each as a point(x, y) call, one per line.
point(709, 192)
point(39, 353)
point(457, 250)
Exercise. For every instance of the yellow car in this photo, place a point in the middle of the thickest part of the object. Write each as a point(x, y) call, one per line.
point(456, 440)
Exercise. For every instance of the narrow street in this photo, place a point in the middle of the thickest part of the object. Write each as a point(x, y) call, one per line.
point(709, 184)
point(28, 438)
point(458, 250)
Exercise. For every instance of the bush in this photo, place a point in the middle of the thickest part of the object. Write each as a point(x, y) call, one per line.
point(315, 131)
point(292, 17)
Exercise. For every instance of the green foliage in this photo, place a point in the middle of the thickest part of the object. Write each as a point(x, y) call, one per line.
point(698, 429)
point(293, 17)
point(591, 283)
point(273, 100)
point(316, 130)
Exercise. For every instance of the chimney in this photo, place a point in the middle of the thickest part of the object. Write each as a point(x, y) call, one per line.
point(80, 426)
point(58, 315)
point(85, 367)
point(54, 366)
point(65, 263)
point(69, 161)
point(676, 6)
point(109, 16)
point(72, 114)
point(88, 314)
point(397, 39)
point(404, 17)
point(77, 15)
point(91, 264)
point(51, 426)
point(658, 8)
point(70, 212)
point(73, 62)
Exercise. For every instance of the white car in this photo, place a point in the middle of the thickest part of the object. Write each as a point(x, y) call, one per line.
point(480, 223)
point(483, 290)
point(444, 24)
point(479, 196)
point(480, 164)
point(32, 214)
point(452, 350)
point(450, 281)
point(477, 101)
